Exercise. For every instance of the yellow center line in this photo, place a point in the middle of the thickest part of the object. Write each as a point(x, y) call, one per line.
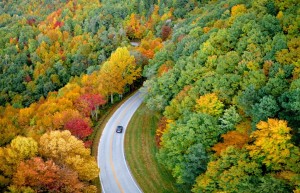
point(113, 167)
point(111, 140)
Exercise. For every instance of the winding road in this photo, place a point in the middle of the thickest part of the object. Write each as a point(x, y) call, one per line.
point(115, 176)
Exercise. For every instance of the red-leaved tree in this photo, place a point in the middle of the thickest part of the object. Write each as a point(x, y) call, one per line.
point(165, 32)
point(78, 127)
point(88, 104)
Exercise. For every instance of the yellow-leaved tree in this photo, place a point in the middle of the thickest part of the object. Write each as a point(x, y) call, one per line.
point(209, 104)
point(20, 148)
point(120, 70)
point(273, 145)
point(64, 148)
point(273, 148)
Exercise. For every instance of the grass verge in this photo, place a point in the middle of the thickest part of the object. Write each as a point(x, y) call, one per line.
point(140, 150)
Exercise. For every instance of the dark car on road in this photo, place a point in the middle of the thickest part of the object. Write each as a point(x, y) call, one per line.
point(119, 129)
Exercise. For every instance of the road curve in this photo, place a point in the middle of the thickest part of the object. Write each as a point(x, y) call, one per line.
point(115, 176)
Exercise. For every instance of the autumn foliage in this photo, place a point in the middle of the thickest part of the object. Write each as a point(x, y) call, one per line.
point(88, 104)
point(273, 147)
point(237, 9)
point(232, 138)
point(78, 127)
point(134, 27)
point(118, 72)
point(223, 74)
point(163, 69)
point(41, 176)
point(240, 62)
point(210, 104)
point(150, 46)
point(162, 126)
point(165, 32)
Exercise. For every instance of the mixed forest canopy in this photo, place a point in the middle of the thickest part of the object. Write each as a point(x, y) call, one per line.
point(224, 74)
point(227, 83)
point(61, 62)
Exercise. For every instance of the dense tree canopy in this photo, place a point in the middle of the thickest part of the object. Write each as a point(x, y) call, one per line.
point(223, 73)
point(234, 62)
point(60, 62)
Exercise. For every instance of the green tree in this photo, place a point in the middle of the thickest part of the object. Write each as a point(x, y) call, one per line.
point(229, 119)
point(265, 108)
point(185, 141)
point(234, 171)
point(290, 103)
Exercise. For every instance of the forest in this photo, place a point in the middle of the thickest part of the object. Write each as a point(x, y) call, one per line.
point(224, 75)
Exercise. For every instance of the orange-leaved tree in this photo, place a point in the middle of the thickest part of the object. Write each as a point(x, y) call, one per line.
point(232, 138)
point(43, 175)
point(150, 45)
point(163, 126)
point(134, 28)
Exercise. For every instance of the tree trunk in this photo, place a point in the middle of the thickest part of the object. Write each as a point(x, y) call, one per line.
point(97, 110)
point(111, 98)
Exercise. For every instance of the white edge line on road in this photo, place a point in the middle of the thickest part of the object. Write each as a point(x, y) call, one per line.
point(103, 191)
point(98, 163)
point(135, 183)
point(124, 158)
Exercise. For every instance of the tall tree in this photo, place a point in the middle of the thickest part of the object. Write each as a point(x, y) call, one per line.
point(88, 104)
point(119, 71)
point(185, 145)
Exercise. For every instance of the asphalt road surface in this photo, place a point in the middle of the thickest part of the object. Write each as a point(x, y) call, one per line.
point(115, 176)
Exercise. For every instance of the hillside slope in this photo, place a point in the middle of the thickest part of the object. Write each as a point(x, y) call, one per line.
point(228, 85)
